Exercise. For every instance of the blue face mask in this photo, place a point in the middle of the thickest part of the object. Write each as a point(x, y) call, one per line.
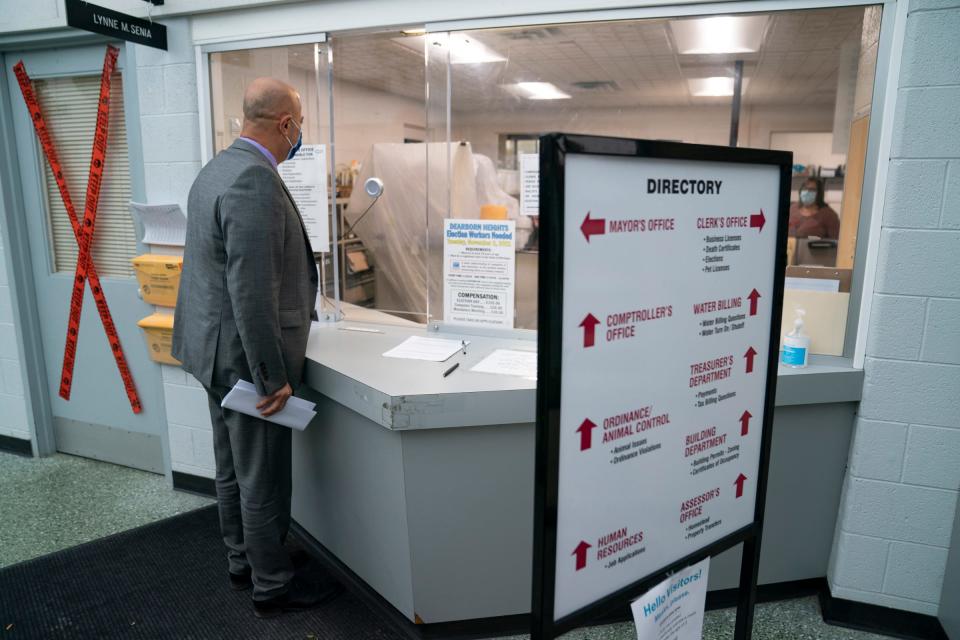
point(807, 198)
point(294, 147)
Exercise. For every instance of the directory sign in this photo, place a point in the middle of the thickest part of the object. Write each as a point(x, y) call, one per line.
point(658, 358)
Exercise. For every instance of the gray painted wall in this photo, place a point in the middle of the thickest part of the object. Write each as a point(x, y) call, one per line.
point(897, 512)
point(169, 126)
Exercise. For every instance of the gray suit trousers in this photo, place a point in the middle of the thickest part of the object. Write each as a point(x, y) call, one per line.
point(253, 492)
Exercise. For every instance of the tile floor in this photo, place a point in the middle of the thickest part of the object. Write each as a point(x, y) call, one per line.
point(52, 503)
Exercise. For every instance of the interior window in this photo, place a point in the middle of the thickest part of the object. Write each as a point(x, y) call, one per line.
point(446, 121)
point(674, 79)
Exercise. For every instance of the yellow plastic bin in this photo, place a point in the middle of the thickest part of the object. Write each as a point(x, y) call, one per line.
point(159, 278)
point(158, 332)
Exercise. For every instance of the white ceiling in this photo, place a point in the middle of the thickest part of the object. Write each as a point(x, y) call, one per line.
point(796, 65)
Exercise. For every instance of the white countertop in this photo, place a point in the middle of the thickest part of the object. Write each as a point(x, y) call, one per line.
point(349, 367)
point(359, 355)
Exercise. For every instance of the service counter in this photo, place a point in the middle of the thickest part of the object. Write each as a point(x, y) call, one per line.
point(422, 486)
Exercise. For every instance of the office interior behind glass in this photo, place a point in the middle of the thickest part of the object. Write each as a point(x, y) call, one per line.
point(449, 122)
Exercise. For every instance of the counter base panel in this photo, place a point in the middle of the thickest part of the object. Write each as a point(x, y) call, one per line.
point(808, 457)
point(439, 522)
point(348, 493)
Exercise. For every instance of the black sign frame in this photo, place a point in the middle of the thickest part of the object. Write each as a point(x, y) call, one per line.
point(554, 148)
point(97, 19)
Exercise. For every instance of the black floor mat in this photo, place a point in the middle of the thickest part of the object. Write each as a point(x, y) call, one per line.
point(166, 580)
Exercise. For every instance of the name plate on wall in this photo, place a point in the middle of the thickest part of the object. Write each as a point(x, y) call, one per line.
point(114, 24)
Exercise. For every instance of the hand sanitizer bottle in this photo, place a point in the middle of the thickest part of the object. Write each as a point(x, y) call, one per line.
point(796, 344)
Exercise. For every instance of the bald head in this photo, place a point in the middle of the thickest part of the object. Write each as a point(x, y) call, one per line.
point(269, 98)
point(272, 115)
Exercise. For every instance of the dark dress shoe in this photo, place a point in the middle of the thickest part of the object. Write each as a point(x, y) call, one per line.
point(299, 559)
point(300, 595)
point(240, 581)
point(243, 581)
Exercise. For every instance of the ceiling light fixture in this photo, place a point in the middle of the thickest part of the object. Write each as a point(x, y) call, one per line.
point(719, 34)
point(540, 91)
point(463, 49)
point(467, 50)
point(716, 86)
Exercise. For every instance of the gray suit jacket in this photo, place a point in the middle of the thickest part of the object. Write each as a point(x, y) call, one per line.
point(249, 281)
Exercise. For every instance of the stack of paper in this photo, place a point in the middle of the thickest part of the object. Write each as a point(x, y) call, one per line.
point(162, 223)
point(243, 398)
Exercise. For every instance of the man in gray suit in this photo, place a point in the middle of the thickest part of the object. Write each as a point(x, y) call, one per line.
point(246, 299)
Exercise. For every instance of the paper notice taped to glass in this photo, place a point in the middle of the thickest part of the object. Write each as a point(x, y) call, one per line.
point(530, 184)
point(243, 398)
point(306, 179)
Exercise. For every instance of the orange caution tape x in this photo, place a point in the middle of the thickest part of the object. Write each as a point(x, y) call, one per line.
point(83, 230)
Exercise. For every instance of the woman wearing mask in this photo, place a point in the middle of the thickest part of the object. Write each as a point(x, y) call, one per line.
point(812, 216)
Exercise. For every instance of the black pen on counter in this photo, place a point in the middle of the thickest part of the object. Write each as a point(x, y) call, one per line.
point(451, 369)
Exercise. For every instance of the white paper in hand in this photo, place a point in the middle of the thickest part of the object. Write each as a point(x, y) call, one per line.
point(243, 398)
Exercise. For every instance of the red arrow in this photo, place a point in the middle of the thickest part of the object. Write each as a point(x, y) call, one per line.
point(581, 553)
point(589, 325)
point(593, 227)
point(745, 423)
point(739, 482)
point(757, 220)
point(754, 296)
point(586, 431)
point(751, 352)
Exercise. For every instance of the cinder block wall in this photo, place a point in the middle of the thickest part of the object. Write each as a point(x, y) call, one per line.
point(167, 84)
point(15, 420)
point(896, 514)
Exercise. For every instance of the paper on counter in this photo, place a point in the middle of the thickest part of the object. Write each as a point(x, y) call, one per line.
point(162, 223)
point(509, 362)
point(243, 398)
point(430, 349)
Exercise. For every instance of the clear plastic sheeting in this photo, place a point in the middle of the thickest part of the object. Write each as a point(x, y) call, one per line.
point(492, 189)
point(395, 228)
point(407, 258)
point(464, 203)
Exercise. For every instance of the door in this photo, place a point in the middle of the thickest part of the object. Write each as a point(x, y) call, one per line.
point(97, 421)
